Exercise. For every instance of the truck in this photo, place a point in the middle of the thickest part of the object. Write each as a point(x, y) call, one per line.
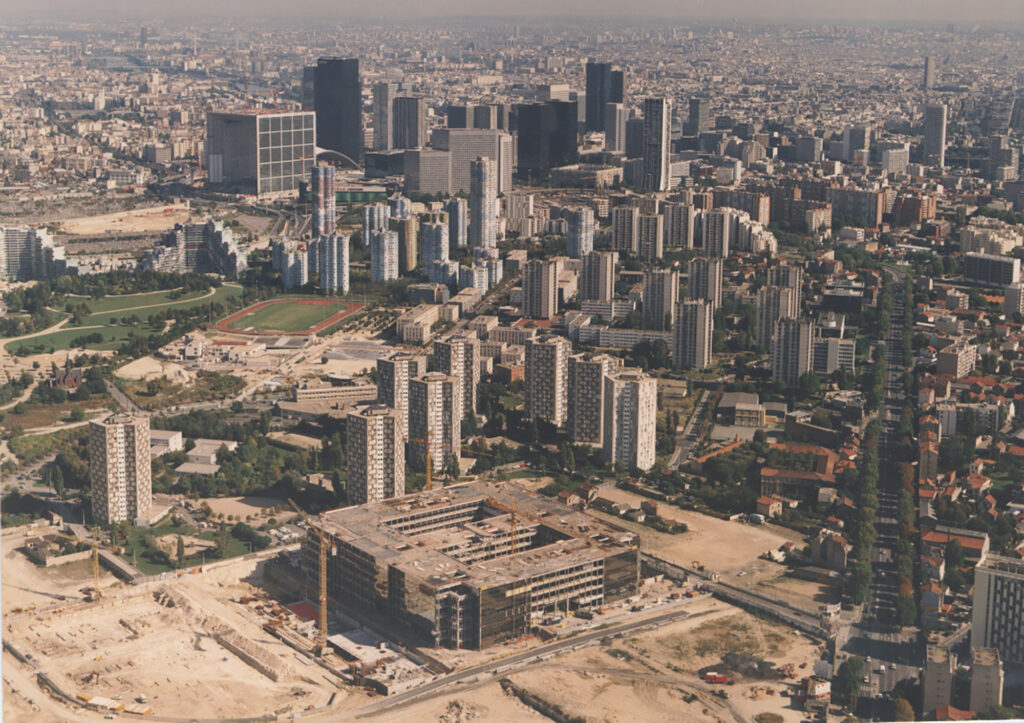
point(713, 677)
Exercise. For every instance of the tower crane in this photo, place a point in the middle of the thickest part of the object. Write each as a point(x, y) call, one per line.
point(96, 545)
point(321, 639)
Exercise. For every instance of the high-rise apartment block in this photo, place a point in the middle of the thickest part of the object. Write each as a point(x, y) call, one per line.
point(547, 378)
point(384, 256)
point(333, 263)
point(597, 280)
point(991, 270)
point(540, 289)
point(773, 303)
point(376, 454)
point(692, 334)
point(393, 375)
point(791, 350)
point(630, 419)
point(997, 616)
point(435, 421)
point(120, 471)
point(657, 127)
point(586, 373)
point(580, 236)
point(28, 254)
point(660, 296)
point(625, 229)
point(322, 191)
point(937, 678)
point(679, 225)
point(338, 93)
point(459, 357)
point(704, 280)
point(458, 222)
point(987, 679)
point(483, 204)
point(650, 237)
point(375, 220)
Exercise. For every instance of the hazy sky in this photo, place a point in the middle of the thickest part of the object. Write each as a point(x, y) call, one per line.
point(922, 11)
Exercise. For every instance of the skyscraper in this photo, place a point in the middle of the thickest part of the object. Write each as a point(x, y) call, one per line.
point(322, 190)
point(375, 220)
point(120, 471)
point(459, 357)
point(774, 303)
point(547, 378)
point(383, 115)
point(585, 415)
point(700, 116)
point(408, 242)
point(376, 454)
point(333, 263)
point(467, 145)
point(630, 419)
point(483, 204)
point(935, 135)
point(410, 122)
point(540, 289)
point(604, 85)
point(695, 322)
point(338, 93)
point(660, 296)
point(657, 126)
point(384, 256)
point(458, 219)
point(547, 137)
point(615, 117)
point(650, 237)
point(435, 421)
point(393, 376)
point(580, 238)
point(597, 280)
point(929, 72)
point(240, 147)
point(791, 350)
point(705, 280)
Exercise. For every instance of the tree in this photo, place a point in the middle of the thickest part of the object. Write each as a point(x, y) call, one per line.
point(181, 551)
point(906, 610)
point(954, 554)
point(848, 682)
point(57, 479)
point(902, 710)
point(998, 712)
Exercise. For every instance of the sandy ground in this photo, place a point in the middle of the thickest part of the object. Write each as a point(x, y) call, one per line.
point(140, 220)
point(242, 507)
point(301, 441)
point(149, 367)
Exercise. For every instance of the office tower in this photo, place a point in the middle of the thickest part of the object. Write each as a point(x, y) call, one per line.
point(28, 254)
point(393, 376)
point(937, 678)
point(987, 679)
point(410, 122)
point(459, 357)
point(625, 229)
point(791, 350)
point(700, 117)
point(384, 256)
point(338, 92)
point(1003, 159)
point(547, 137)
point(996, 616)
point(435, 422)
point(120, 470)
point(597, 280)
point(466, 145)
point(660, 296)
point(485, 117)
point(458, 220)
point(604, 86)
point(322, 191)
point(615, 116)
point(657, 127)
point(547, 378)
point(408, 243)
point(855, 138)
point(585, 413)
point(1013, 300)
point(695, 322)
point(650, 237)
point(241, 147)
point(376, 454)
point(630, 419)
point(718, 231)
point(383, 115)
point(309, 87)
point(896, 160)
point(935, 135)
point(540, 289)
point(433, 244)
point(375, 220)
point(679, 219)
point(830, 354)
point(333, 263)
point(579, 240)
point(705, 280)
point(774, 303)
point(929, 72)
point(809, 149)
point(791, 277)
point(483, 204)
point(427, 172)
point(634, 138)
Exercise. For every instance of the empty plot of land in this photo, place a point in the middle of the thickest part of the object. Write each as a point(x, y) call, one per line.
point(140, 220)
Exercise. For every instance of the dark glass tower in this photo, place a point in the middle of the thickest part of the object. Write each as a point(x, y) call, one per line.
point(604, 86)
point(338, 103)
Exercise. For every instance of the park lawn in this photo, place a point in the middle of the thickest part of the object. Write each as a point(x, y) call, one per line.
point(113, 337)
point(44, 415)
point(287, 317)
point(511, 401)
point(129, 301)
point(135, 548)
point(185, 302)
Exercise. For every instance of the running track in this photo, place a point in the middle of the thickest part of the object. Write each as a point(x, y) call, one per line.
point(224, 324)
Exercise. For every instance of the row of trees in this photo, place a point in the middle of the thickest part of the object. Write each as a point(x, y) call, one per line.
point(864, 533)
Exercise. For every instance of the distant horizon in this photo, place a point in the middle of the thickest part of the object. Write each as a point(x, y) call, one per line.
point(919, 13)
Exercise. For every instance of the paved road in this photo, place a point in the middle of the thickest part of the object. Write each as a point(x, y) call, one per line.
point(498, 668)
point(686, 441)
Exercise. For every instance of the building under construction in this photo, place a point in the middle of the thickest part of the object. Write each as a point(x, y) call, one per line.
point(472, 565)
